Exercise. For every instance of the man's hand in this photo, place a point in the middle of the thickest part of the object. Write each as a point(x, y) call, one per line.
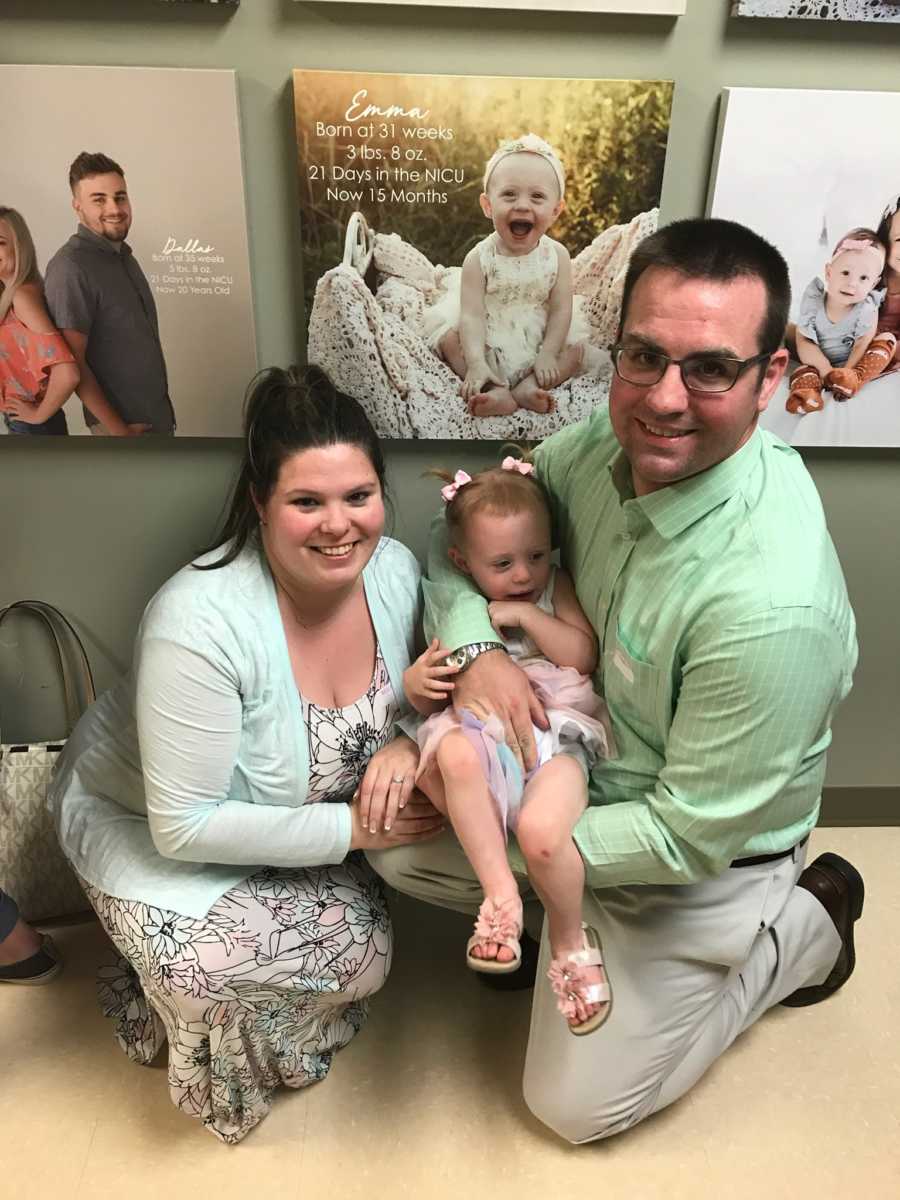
point(494, 684)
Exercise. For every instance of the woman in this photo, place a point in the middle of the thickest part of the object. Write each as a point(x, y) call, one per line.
point(37, 369)
point(205, 802)
point(38, 372)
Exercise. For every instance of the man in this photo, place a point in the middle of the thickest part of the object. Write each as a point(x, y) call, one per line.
point(99, 298)
point(699, 552)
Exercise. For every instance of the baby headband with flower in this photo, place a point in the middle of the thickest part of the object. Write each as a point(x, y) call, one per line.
point(529, 144)
point(853, 244)
point(461, 478)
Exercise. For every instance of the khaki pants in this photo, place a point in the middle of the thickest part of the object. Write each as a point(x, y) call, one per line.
point(691, 967)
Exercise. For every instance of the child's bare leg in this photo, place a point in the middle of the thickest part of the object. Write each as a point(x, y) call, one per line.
point(553, 801)
point(473, 814)
point(452, 353)
point(493, 402)
point(529, 394)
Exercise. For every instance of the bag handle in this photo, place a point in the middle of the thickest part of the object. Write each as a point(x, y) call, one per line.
point(59, 626)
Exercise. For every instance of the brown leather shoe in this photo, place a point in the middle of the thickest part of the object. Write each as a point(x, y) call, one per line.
point(839, 888)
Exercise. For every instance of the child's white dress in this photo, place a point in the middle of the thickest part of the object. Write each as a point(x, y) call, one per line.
point(516, 297)
point(579, 723)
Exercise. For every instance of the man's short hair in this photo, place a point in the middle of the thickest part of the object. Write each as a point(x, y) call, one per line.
point(710, 248)
point(86, 165)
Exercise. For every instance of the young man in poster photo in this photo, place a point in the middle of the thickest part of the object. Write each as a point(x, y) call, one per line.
point(699, 552)
point(99, 298)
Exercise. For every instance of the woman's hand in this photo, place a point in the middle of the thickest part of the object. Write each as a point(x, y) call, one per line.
point(415, 822)
point(22, 410)
point(387, 783)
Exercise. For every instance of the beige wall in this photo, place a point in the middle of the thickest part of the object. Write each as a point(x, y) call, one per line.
point(96, 527)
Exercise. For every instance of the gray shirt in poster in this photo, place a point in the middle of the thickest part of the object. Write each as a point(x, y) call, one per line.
point(98, 289)
point(836, 338)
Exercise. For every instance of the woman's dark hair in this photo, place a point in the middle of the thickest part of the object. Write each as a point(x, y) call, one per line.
point(883, 233)
point(286, 412)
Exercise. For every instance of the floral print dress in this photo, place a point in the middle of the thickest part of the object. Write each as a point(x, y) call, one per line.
point(276, 977)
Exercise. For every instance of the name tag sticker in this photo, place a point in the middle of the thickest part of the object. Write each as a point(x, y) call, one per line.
point(621, 662)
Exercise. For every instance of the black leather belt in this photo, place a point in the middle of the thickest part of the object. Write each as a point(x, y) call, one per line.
point(758, 859)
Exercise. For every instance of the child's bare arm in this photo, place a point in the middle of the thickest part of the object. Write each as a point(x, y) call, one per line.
point(567, 638)
point(810, 354)
point(471, 327)
point(559, 321)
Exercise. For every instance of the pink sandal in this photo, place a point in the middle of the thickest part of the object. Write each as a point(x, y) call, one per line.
point(569, 982)
point(500, 923)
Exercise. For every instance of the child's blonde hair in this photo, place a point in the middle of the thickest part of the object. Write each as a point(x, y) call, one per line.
point(499, 490)
point(26, 259)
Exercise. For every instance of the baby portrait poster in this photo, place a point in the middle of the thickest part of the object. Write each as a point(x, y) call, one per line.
point(826, 184)
point(175, 134)
point(391, 176)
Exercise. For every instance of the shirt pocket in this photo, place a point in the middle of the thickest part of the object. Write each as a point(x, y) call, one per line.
point(635, 693)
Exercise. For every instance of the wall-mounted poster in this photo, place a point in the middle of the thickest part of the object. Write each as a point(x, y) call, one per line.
point(819, 10)
point(581, 6)
point(465, 239)
point(825, 192)
point(127, 196)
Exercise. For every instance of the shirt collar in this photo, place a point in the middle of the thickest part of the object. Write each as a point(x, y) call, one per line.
point(101, 243)
point(672, 509)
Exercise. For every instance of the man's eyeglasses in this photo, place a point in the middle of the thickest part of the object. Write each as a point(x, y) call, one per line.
point(699, 372)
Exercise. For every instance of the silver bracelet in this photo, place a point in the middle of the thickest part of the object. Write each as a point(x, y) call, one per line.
point(464, 656)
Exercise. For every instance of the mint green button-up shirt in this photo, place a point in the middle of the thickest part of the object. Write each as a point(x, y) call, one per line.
point(727, 641)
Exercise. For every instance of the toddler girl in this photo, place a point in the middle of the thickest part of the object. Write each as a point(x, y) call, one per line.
point(889, 314)
point(499, 529)
point(836, 328)
point(37, 369)
point(510, 325)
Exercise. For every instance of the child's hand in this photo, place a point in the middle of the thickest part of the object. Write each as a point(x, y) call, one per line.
point(427, 678)
point(509, 614)
point(478, 376)
point(546, 370)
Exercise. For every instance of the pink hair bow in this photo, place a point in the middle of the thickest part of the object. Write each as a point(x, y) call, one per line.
point(516, 464)
point(460, 479)
point(854, 244)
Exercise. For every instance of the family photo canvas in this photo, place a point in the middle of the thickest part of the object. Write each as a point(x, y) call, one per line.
point(825, 192)
point(464, 241)
point(127, 196)
point(820, 10)
point(575, 6)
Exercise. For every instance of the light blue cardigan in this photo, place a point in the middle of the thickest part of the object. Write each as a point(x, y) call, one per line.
point(229, 617)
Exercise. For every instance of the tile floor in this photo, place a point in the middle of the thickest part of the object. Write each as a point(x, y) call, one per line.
point(425, 1103)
